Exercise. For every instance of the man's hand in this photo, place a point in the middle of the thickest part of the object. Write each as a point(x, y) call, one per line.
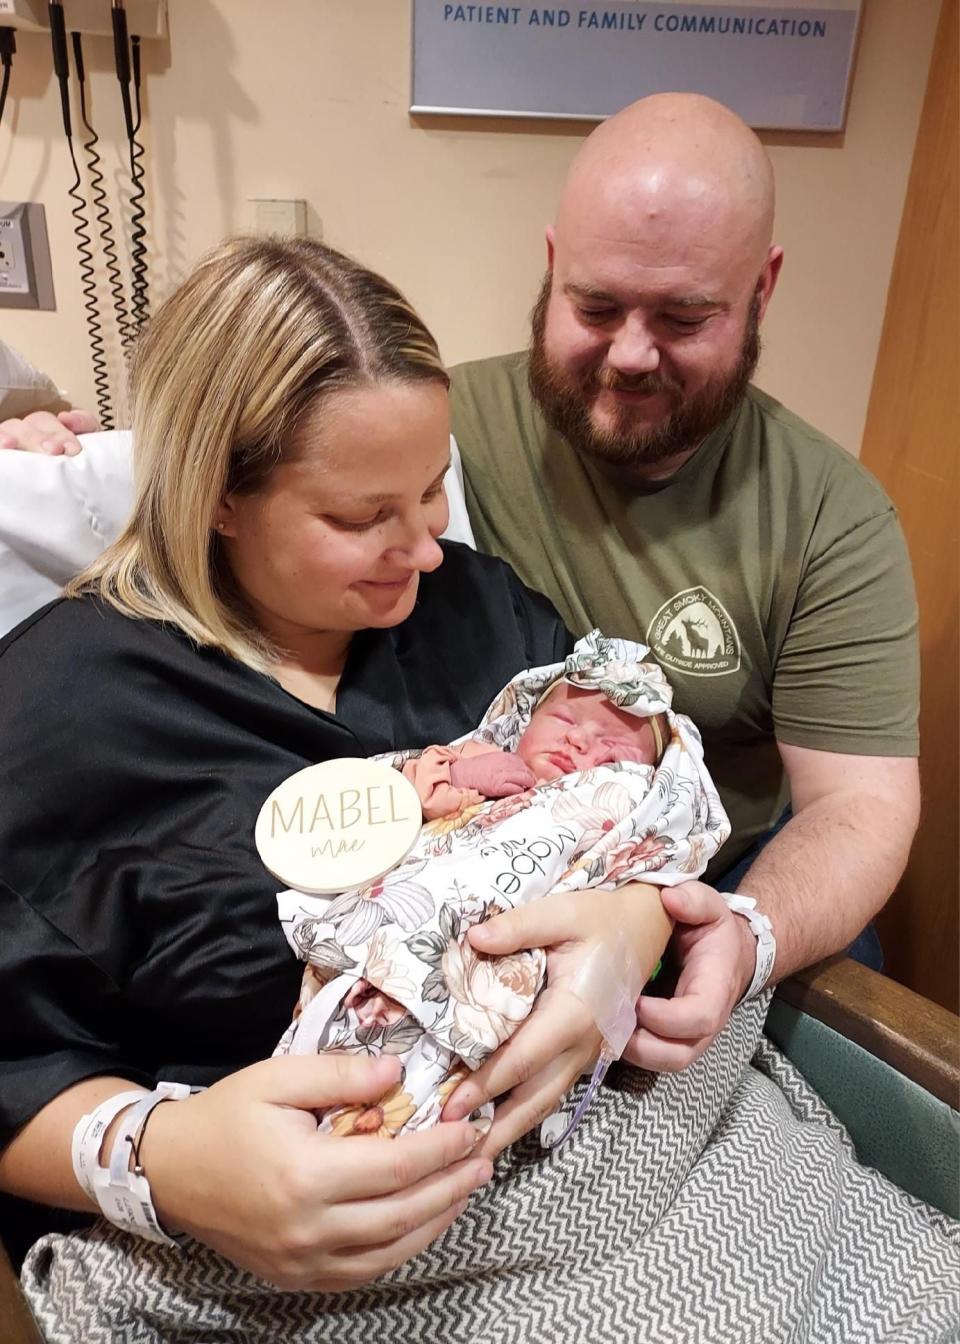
point(718, 955)
point(54, 435)
point(495, 774)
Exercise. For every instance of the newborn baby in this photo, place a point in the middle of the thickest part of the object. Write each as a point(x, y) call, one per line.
point(569, 731)
point(579, 775)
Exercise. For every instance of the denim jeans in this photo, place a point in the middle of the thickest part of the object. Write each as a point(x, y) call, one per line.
point(864, 948)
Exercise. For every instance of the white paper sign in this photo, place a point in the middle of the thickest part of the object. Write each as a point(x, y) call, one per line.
point(338, 825)
point(779, 65)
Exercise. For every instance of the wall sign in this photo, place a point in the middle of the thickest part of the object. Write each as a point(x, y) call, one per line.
point(780, 65)
point(338, 825)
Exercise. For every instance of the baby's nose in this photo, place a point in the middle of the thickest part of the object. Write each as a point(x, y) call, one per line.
point(588, 750)
point(578, 737)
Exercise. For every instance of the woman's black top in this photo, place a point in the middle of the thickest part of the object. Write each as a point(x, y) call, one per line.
point(138, 928)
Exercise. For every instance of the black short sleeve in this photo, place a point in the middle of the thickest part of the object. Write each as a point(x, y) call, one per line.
point(60, 1015)
point(547, 638)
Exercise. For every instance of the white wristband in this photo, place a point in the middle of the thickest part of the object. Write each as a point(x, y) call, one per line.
point(762, 930)
point(122, 1193)
point(88, 1137)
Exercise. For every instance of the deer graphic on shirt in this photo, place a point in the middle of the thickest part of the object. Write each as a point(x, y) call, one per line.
point(699, 645)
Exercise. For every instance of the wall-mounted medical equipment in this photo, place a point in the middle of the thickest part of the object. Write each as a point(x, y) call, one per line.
point(146, 17)
point(128, 22)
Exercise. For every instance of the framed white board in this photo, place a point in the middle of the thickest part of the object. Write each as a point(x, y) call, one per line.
point(780, 65)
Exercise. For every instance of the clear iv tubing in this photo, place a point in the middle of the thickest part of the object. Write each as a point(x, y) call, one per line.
point(609, 983)
point(603, 1063)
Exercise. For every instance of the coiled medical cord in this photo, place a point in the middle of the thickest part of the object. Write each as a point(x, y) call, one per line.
point(138, 248)
point(101, 206)
point(139, 302)
point(61, 67)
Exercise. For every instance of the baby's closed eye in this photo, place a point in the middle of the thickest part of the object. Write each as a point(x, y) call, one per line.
point(628, 750)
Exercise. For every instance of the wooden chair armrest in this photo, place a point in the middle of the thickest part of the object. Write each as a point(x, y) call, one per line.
point(17, 1325)
point(912, 1034)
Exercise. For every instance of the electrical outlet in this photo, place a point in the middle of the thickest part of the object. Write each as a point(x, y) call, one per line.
point(13, 260)
point(287, 218)
point(26, 280)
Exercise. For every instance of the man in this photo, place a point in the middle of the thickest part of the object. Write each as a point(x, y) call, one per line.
point(628, 470)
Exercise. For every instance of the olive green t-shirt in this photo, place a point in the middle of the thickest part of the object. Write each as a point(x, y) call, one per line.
point(769, 576)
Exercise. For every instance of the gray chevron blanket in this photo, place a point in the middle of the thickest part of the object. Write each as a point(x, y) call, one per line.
point(717, 1206)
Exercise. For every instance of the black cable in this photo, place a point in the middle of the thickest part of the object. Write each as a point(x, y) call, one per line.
point(61, 61)
point(88, 283)
point(61, 66)
point(135, 48)
point(8, 47)
point(138, 248)
point(139, 306)
point(121, 58)
point(101, 206)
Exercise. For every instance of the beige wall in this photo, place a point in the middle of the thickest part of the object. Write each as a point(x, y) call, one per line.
point(312, 103)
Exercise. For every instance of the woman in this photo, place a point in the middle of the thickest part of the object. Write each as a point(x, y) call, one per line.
point(277, 599)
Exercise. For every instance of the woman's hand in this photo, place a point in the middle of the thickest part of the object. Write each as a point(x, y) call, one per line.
point(242, 1168)
point(559, 1040)
point(42, 432)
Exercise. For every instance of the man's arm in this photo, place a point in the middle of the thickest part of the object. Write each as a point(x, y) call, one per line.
point(834, 865)
point(820, 880)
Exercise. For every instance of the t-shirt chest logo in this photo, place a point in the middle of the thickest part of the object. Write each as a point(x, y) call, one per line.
point(693, 633)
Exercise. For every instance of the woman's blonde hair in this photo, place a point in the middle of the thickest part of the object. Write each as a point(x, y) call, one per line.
point(254, 338)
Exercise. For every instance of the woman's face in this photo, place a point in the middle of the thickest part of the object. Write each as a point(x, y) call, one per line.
point(336, 539)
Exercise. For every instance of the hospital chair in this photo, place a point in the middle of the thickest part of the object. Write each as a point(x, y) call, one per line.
point(884, 1059)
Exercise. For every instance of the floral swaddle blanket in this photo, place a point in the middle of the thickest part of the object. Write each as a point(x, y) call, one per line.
point(405, 934)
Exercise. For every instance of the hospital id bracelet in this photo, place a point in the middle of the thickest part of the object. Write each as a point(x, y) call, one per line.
point(762, 930)
point(123, 1192)
point(88, 1137)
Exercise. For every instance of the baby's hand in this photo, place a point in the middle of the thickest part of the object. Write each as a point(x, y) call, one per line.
point(497, 774)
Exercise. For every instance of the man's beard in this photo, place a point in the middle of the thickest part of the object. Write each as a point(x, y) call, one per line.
point(566, 400)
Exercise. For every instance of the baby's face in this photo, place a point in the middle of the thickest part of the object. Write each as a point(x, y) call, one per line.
point(575, 730)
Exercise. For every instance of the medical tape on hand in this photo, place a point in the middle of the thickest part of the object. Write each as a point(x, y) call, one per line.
point(609, 983)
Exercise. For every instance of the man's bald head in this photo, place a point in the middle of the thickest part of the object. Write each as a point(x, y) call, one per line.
point(646, 331)
point(675, 160)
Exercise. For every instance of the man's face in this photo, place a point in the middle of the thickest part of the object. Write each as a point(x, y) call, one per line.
point(635, 357)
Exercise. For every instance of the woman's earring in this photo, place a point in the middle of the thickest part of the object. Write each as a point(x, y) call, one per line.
point(220, 526)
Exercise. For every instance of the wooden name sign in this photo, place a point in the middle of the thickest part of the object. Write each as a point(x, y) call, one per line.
point(338, 825)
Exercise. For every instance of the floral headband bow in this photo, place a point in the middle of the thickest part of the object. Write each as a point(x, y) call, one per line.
point(615, 667)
